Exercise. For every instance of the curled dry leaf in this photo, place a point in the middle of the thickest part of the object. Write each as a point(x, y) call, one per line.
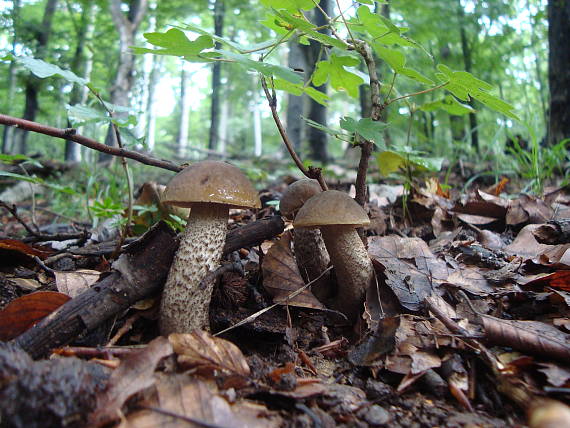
point(528, 336)
point(135, 373)
point(202, 350)
point(281, 276)
point(22, 313)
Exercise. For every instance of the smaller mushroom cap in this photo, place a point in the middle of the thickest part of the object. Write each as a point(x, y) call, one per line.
point(297, 194)
point(211, 181)
point(331, 208)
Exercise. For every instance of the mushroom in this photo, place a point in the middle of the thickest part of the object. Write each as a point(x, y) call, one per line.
point(310, 251)
point(337, 215)
point(210, 188)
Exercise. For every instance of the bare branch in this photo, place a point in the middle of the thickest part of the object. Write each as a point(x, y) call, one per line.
point(311, 172)
point(71, 134)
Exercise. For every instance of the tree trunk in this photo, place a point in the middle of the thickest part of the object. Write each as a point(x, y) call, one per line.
point(219, 11)
point(457, 125)
point(468, 63)
point(127, 26)
point(156, 66)
point(317, 112)
point(33, 83)
point(185, 102)
point(295, 104)
point(81, 65)
point(8, 132)
point(559, 70)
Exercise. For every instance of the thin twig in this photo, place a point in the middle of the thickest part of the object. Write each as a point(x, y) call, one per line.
point(310, 172)
point(72, 135)
point(376, 110)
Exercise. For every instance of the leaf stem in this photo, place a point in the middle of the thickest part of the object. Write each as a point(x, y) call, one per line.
point(425, 91)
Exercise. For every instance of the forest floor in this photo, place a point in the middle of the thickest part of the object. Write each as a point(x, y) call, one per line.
point(467, 325)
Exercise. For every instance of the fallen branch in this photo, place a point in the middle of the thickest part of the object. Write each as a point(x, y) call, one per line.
point(138, 273)
point(72, 135)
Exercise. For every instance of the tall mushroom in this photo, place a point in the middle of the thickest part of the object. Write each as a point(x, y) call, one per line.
point(310, 251)
point(210, 188)
point(337, 215)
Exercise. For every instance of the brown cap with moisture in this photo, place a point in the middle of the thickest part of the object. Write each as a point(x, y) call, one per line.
point(297, 194)
point(211, 181)
point(331, 208)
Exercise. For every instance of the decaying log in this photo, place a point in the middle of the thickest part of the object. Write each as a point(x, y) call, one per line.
point(138, 273)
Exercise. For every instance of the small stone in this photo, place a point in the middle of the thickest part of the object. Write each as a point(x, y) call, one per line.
point(375, 415)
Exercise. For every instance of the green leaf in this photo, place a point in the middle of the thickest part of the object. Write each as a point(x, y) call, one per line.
point(44, 69)
point(381, 29)
point(340, 78)
point(264, 68)
point(390, 161)
point(243, 49)
point(331, 131)
point(290, 5)
point(174, 42)
point(309, 29)
point(11, 159)
point(464, 85)
point(450, 105)
point(397, 61)
point(81, 115)
point(299, 89)
point(366, 128)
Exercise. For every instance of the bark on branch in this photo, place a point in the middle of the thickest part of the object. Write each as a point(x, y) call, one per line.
point(71, 135)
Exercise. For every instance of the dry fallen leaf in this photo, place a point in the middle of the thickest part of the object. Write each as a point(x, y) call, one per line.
point(281, 276)
point(135, 373)
point(22, 313)
point(75, 283)
point(185, 401)
point(204, 351)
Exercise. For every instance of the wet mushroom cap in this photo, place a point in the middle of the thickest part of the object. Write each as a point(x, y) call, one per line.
point(211, 182)
point(297, 194)
point(331, 208)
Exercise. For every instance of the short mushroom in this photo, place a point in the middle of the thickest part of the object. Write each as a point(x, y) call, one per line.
point(310, 251)
point(337, 215)
point(210, 188)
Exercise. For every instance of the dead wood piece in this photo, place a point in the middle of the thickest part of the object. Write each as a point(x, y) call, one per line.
point(139, 272)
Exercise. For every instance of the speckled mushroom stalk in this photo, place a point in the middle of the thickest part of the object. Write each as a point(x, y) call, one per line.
point(210, 188)
point(337, 215)
point(310, 251)
point(184, 307)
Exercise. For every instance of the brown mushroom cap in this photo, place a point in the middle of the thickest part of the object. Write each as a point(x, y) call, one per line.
point(297, 194)
point(331, 208)
point(211, 181)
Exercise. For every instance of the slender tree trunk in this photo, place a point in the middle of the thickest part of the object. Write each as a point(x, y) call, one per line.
point(8, 132)
point(150, 130)
point(219, 11)
point(185, 103)
point(81, 65)
point(127, 26)
point(224, 129)
point(33, 83)
point(468, 62)
point(295, 104)
point(559, 70)
point(317, 112)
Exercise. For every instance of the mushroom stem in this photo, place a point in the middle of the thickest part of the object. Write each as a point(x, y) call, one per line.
point(353, 268)
point(184, 307)
point(313, 259)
